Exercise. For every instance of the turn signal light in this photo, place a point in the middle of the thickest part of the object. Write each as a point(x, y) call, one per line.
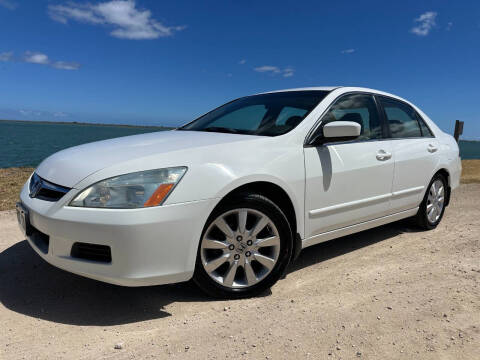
point(158, 196)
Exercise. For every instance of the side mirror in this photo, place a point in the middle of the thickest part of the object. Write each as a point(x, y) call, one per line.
point(338, 131)
point(341, 129)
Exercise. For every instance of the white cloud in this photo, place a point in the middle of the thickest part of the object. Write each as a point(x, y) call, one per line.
point(348, 51)
point(6, 56)
point(275, 70)
point(60, 114)
point(267, 68)
point(288, 72)
point(36, 58)
point(65, 65)
point(243, 61)
point(425, 24)
point(127, 21)
point(33, 57)
point(31, 114)
point(10, 5)
point(449, 26)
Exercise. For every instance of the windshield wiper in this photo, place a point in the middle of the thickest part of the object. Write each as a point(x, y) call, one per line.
point(220, 129)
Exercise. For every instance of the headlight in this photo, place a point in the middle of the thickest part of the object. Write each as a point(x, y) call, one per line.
point(135, 190)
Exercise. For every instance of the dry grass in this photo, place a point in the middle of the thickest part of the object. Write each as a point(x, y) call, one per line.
point(470, 171)
point(12, 180)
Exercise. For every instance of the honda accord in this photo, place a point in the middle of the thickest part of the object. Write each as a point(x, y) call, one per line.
point(231, 198)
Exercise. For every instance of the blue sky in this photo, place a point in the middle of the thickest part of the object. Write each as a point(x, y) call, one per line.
point(164, 63)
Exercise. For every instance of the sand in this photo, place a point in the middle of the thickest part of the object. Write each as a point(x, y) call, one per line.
point(388, 293)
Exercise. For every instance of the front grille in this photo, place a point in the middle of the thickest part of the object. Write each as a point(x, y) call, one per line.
point(92, 252)
point(45, 190)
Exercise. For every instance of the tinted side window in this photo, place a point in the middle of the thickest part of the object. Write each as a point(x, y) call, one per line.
point(359, 108)
point(426, 132)
point(401, 118)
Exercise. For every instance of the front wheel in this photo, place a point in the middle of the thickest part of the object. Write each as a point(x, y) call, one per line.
point(433, 205)
point(245, 248)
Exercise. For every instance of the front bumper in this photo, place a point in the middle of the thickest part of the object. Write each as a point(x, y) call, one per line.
point(149, 246)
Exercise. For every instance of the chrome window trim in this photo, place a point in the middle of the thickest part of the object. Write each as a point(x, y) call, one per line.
point(362, 141)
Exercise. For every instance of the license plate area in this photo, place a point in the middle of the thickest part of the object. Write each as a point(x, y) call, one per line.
point(23, 218)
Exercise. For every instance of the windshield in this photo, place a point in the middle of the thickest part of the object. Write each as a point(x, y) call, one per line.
point(266, 114)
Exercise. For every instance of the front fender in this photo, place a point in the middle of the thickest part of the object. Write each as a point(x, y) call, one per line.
point(295, 193)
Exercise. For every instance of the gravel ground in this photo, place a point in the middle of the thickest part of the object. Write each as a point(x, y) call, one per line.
point(387, 293)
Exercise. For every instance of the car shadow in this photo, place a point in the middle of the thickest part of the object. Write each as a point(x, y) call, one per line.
point(324, 251)
point(31, 286)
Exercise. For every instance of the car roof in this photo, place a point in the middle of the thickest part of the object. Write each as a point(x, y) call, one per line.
point(323, 88)
point(343, 88)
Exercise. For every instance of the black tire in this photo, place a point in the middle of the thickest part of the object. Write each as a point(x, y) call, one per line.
point(270, 209)
point(421, 219)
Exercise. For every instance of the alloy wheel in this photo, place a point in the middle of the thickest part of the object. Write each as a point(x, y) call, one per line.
point(240, 248)
point(435, 201)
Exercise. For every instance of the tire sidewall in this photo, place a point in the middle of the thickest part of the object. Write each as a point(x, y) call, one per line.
point(423, 208)
point(266, 206)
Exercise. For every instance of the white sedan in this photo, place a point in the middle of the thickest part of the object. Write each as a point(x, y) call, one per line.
point(231, 198)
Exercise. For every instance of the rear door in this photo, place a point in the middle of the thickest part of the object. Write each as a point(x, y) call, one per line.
point(415, 151)
point(349, 182)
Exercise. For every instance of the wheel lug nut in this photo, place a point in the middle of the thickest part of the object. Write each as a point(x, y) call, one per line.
point(239, 238)
point(248, 253)
point(249, 242)
point(231, 247)
point(236, 257)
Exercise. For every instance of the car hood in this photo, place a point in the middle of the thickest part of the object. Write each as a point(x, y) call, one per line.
point(68, 167)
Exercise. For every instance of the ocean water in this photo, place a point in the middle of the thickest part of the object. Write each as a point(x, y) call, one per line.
point(28, 143)
point(469, 149)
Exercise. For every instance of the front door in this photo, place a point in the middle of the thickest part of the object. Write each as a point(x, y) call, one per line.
point(351, 182)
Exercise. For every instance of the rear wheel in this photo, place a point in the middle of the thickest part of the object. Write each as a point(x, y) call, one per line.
point(245, 248)
point(432, 207)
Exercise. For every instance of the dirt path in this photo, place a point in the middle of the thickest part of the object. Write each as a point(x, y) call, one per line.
point(386, 293)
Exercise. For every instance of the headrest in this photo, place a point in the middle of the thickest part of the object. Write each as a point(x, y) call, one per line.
point(396, 127)
point(355, 117)
point(293, 121)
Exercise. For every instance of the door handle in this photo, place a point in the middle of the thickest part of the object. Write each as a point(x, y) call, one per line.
point(432, 148)
point(383, 155)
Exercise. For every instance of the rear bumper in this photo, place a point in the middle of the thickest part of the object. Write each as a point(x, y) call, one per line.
point(148, 246)
point(456, 173)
